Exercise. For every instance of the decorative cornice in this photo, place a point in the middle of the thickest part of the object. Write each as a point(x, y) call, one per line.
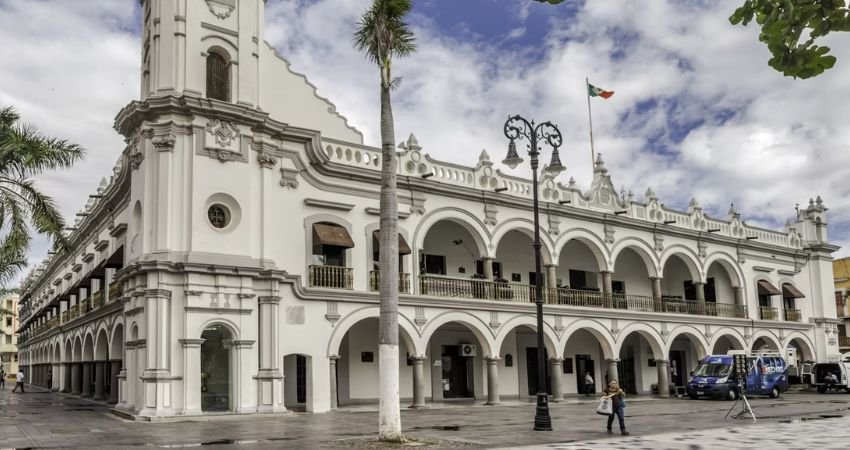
point(377, 212)
point(164, 143)
point(118, 230)
point(763, 269)
point(327, 204)
point(191, 343)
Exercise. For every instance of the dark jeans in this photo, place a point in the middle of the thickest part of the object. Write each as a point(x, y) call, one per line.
point(589, 388)
point(618, 411)
point(19, 385)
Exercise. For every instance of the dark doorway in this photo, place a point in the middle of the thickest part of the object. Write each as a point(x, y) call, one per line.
point(301, 378)
point(458, 379)
point(584, 365)
point(215, 369)
point(677, 368)
point(531, 365)
point(626, 371)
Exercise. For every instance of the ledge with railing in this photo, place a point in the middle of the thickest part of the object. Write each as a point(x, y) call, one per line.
point(66, 316)
point(331, 277)
point(844, 341)
point(97, 300)
point(116, 289)
point(768, 313)
point(75, 311)
point(441, 286)
point(403, 281)
point(793, 315)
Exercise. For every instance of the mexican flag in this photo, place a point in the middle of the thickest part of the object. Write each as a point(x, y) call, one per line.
point(594, 91)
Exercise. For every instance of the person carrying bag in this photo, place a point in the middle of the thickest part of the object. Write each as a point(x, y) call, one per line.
point(617, 397)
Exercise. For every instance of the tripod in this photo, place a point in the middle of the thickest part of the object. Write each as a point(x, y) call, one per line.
point(745, 405)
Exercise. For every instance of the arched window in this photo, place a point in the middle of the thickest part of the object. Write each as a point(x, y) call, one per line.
point(218, 77)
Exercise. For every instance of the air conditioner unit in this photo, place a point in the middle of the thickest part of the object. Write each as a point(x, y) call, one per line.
point(468, 350)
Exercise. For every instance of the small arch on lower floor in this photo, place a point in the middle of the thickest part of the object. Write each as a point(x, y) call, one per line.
point(725, 340)
point(802, 346)
point(687, 347)
point(218, 367)
point(765, 341)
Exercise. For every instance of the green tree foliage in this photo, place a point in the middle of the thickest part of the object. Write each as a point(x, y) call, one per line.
point(25, 153)
point(383, 35)
point(790, 28)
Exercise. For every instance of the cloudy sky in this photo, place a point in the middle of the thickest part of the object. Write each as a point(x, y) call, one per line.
point(697, 111)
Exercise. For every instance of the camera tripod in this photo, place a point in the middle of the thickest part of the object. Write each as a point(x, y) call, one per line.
point(746, 409)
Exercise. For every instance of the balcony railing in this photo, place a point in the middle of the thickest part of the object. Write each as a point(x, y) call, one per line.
point(768, 313)
point(75, 311)
point(331, 277)
point(403, 281)
point(115, 290)
point(66, 316)
point(97, 300)
point(441, 286)
point(844, 341)
point(792, 315)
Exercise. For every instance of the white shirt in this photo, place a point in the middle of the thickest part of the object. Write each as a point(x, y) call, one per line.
point(588, 379)
point(20, 377)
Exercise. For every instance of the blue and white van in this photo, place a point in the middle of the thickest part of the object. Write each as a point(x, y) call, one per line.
point(767, 374)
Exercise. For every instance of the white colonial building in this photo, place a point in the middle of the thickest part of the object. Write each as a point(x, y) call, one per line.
point(229, 262)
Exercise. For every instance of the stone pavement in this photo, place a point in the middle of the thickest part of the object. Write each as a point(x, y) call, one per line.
point(50, 420)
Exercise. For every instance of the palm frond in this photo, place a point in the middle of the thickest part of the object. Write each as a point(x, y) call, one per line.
point(382, 32)
point(46, 218)
point(25, 152)
point(14, 245)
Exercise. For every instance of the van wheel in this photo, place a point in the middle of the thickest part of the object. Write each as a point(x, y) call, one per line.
point(693, 396)
point(774, 392)
point(732, 395)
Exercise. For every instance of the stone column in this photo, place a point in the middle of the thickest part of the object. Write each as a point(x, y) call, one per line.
point(556, 373)
point(487, 262)
point(86, 387)
point(700, 289)
point(656, 293)
point(418, 382)
point(192, 376)
point(76, 378)
point(130, 376)
point(270, 378)
point(663, 378)
point(332, 362)
point(157, 376)
point(606, 281)
point(612, 370)
point(138, 381)
point(57, 377)
point(66, 377)
point(551, 276)
point(114, 384)
point(492, 380)
point(99, 379)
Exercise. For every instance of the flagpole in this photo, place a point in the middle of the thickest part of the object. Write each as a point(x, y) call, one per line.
point(590, 122)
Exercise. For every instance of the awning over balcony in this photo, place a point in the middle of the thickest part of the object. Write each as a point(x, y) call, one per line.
point(330, 234)
point(765, 288)
point(789, 291)
point(403, 248)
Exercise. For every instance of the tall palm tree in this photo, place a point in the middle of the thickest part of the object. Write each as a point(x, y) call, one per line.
point(24, 153)
point(381, 35)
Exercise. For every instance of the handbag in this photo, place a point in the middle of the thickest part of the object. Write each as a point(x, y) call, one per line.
point(605, 407)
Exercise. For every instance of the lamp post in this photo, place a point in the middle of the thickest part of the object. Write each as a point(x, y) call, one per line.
point(517, 128)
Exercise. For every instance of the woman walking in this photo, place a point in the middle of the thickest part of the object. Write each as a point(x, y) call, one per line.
point(618, 398)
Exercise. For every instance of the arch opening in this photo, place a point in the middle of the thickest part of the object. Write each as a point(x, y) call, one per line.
point(217, 368)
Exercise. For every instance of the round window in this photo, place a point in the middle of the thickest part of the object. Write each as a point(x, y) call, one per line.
point(219, 216)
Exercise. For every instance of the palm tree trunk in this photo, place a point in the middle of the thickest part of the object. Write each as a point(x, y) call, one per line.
point(389, 413)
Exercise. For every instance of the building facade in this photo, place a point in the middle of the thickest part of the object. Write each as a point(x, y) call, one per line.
point(229, 262)
point(841, 276)
point(8, 338)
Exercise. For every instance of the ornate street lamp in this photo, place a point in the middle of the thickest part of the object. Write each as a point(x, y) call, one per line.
point(517, 128)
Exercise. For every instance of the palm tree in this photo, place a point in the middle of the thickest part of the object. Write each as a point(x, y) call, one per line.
point(381, 35)
point(24, 153)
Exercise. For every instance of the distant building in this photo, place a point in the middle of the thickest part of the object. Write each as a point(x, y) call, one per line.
point(228, 263)
point(8, 339)
point(841, 275)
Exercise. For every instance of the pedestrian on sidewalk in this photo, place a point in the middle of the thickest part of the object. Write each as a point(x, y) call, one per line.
point(50, 379)
point(618, 401)
point(589, 385)
point(2, 378)
point(19, 382)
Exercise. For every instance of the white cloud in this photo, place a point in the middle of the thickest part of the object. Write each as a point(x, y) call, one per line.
point(779, 142)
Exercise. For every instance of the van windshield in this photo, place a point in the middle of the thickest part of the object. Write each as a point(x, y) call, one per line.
point(713, 370)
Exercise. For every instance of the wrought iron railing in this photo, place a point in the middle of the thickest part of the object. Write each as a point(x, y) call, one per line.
point(65, 316)
point(768, 313)
point(331, 277)
point(793, 315)
point(844, 341)
point(75, 311)
point(115, 290)
point(403, 281)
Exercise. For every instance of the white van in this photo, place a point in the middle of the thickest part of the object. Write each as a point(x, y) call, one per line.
point(841, 371)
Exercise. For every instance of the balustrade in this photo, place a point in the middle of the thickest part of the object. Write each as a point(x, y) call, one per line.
point(403, 281)
point(97, 300)
point(793, 315)
point(768, 313)
point(844, 341)
point(116, 289)
point(75, 311)
point(331, 277)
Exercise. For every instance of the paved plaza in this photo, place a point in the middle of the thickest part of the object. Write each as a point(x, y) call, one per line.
point(48, 420)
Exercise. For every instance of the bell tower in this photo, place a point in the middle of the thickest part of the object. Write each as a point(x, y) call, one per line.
point(202, 48)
